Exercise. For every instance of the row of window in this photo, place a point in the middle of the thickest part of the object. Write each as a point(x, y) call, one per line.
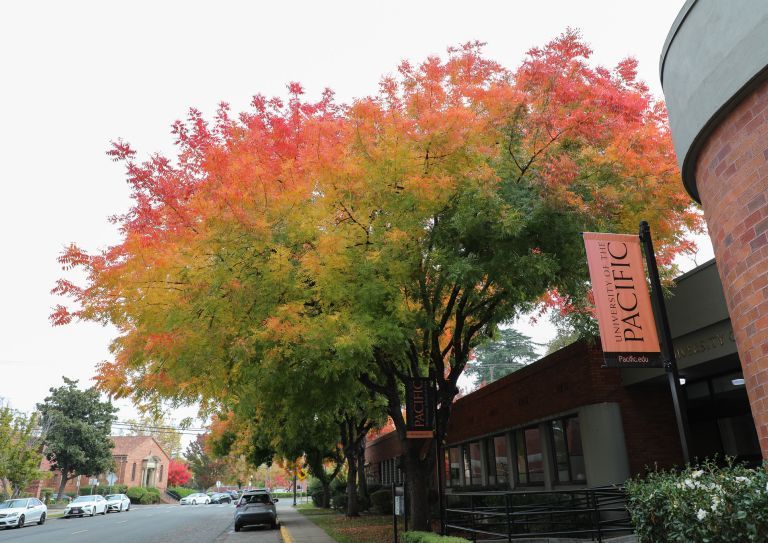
point(389, 472)
point(488, 462)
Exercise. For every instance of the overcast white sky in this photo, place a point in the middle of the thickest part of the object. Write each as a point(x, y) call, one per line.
point(75, 75)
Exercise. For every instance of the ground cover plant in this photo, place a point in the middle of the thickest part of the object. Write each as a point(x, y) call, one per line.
point(706, 504)
point(367, 528)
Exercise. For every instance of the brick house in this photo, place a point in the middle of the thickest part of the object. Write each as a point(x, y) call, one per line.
point(139, 461)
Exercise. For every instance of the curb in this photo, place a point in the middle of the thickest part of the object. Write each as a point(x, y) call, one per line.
point(285, 534)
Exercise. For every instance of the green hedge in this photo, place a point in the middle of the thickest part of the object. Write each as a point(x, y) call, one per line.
point(183, 491)
point(429, 537)
point(381, 500)
point(142, 495)
point(706, 504)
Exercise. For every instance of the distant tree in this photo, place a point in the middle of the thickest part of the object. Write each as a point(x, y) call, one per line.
point(79, 425)
point(206, 468)
point(20, 450)
point(507, 351)
point(156, 425)
point(178, 473)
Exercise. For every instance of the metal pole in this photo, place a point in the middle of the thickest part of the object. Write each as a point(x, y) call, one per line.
point(394, 511)
point(294, 487)
point(440, 463)
point(668, 350)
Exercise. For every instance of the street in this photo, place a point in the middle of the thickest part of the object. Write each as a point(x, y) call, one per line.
point(146, 524)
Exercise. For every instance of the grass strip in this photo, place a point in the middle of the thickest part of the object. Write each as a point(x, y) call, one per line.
point(367, 528)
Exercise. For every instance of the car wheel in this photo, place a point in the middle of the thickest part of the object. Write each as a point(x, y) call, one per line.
point(273, 525)
point(21, 522)
point(93, 513)
point(194, 502)
point(237, 527)
point(121, 508)
point(128, 508)
point(42, 519)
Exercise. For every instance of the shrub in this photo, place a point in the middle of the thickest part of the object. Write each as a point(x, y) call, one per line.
point(135, 494)
point(429, 537)
point(705, 504)
point(339, 501)
point(338, 486)
point(317, 498)
point(149, 498)
point(382, 501)
point(183, 491)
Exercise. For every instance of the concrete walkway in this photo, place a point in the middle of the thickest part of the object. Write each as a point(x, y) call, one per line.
point(296, 528)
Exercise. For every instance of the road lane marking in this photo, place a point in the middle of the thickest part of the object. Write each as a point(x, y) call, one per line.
point(121, 522)
point(78, 532)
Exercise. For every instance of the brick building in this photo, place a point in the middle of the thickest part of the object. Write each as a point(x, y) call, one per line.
point(714, 71)
point(139, 461)
point(564, 421)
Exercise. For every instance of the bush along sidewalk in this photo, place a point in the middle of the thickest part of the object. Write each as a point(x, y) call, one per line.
point(429, 537)
point(701, 504)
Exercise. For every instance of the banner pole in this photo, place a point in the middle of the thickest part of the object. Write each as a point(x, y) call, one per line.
point(440, 462)
point(668, 350)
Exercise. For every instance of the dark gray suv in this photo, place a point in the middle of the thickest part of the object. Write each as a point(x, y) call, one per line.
point(256, 507)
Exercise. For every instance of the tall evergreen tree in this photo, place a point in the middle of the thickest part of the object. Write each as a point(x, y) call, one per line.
point(79, 425)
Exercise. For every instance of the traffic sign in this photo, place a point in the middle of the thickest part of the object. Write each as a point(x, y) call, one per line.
point(111, 478)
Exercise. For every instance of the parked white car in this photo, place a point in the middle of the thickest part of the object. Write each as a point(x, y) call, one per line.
point(23, 511)
point(194, 499)
point(118, 502)
point(86, 505)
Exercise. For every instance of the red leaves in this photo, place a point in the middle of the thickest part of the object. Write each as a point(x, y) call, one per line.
point(178, 473)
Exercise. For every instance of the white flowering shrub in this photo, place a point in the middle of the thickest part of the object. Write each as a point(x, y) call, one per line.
point(706, 504)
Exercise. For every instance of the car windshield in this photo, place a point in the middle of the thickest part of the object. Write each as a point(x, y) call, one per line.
point(255, 498)
point(114, 497)
point(12, 504)
point(82, 499)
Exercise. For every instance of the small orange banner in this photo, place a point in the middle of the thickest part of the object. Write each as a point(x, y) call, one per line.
point(627, 325)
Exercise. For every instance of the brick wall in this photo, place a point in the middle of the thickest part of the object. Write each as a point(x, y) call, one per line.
point(563, 381)
point(732, 179)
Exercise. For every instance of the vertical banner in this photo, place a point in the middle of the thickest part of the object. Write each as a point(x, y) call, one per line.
point(627, 326)
point(419, 409)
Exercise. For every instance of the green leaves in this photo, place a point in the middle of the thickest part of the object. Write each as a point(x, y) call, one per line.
point(78, 427)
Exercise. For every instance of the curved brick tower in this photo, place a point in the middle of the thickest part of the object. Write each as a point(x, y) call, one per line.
point(714, 71)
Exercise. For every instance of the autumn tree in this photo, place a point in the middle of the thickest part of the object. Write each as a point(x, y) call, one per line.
point(379, 241)
point(178, 473)
point(205, 467)
point(78, 426)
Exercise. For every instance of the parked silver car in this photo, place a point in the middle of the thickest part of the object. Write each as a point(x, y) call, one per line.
point(194, 499)
point(117, 502)
point(86, 505)
point(20, 512)
point(256, 507)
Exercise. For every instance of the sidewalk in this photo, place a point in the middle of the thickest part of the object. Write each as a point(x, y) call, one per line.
point(296, 528)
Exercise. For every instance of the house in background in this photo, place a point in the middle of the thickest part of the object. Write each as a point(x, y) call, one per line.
point(139, 461)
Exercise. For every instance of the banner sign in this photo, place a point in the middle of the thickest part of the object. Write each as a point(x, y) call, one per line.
point(419, 408)
point(627, 326)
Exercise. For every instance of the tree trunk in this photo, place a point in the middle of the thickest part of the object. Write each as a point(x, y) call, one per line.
point(418, 475)
point(326, 493)
point(362, 482)
point(353, 507)
point(63, 484)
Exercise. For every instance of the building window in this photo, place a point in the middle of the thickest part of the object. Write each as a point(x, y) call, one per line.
point(160, 475)
point(455, 460)
point(498, 460)
point(530, 456)
point(569, 456)
point(475, 463)
point(133, 472)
